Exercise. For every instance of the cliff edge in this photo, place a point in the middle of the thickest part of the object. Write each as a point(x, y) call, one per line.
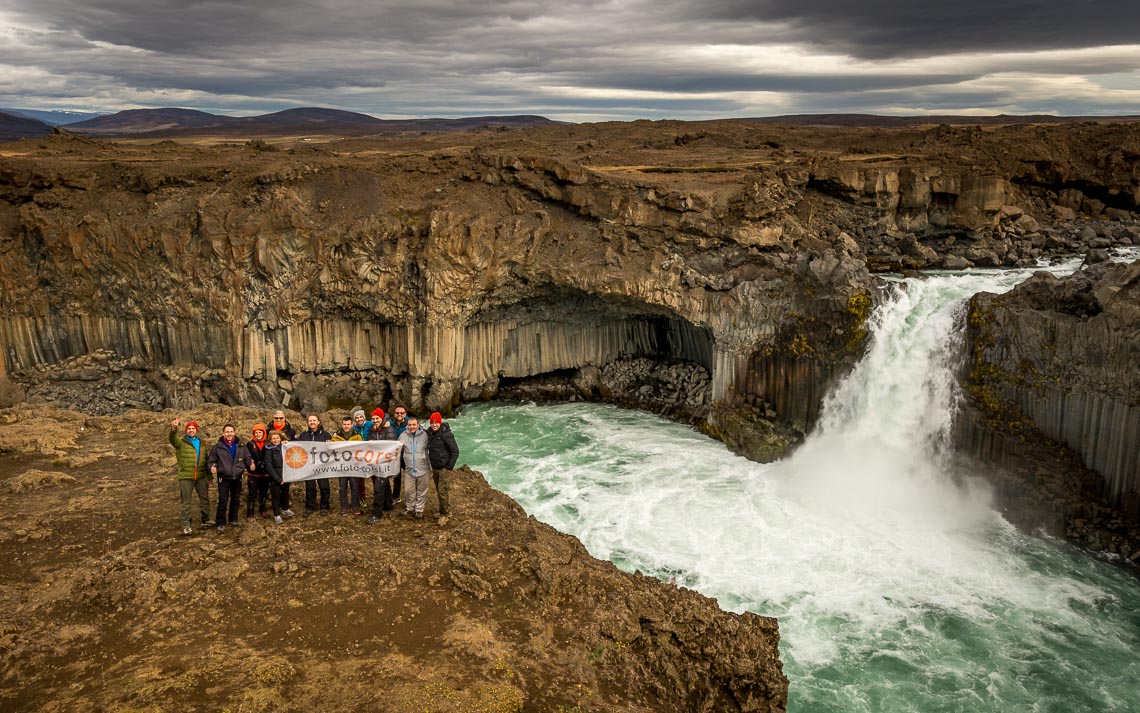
point(106, 607)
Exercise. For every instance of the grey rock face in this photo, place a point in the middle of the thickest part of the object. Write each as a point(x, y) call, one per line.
point(1059, 357)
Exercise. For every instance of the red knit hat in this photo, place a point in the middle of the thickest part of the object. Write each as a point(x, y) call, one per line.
point(378, 412)
point(435, 418)
point(192, 423)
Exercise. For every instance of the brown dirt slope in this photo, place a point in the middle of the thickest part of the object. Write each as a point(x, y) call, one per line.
point(105, 607)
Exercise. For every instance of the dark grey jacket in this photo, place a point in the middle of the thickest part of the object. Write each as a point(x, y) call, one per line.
point(229, 468)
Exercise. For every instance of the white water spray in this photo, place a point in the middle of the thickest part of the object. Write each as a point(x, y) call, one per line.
point(896, 586)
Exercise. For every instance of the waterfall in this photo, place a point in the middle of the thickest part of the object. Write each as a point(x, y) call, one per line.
point(895, 584)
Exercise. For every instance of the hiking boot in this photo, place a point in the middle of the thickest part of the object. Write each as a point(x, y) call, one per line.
point(419, 516)
point(235, 523)
point(372, 520)
point(277, 519)
point(287, 513)
point(324, 513)
point(221, 528)
point(187, 531)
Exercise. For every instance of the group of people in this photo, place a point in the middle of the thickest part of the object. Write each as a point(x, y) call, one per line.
point(430, 451)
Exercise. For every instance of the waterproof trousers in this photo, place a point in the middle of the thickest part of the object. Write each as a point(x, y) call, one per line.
point(186, 489)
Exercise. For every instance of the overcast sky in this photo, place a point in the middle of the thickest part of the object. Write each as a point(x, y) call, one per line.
point(578, 61)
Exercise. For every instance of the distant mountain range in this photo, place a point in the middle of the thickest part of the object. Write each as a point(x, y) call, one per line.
point(873, 120)
point(169, 123)
point(172, 123)
point(53, 118)
point(14, 127)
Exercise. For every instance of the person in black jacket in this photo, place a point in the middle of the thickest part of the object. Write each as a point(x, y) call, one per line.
point(443, 452)
point(316, 433)
point(280, 424)
point(257, 477)
point(228, 461)
point(275, 467)
point(382, 430)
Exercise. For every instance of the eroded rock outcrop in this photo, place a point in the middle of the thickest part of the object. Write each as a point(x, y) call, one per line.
point(1055, 362)
point(433, 270)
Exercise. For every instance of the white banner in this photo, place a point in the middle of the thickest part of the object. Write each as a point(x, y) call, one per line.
point(306, 460)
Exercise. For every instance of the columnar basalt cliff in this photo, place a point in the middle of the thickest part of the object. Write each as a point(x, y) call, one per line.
point(1054, 363)
point(443, 269)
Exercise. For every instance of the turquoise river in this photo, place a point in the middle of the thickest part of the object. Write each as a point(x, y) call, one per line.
point(897, 585)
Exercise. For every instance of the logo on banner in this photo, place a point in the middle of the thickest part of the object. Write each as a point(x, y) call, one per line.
point(344, 459)
point(296, 457)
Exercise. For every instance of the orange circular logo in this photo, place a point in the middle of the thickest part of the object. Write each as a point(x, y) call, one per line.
point(296, 457)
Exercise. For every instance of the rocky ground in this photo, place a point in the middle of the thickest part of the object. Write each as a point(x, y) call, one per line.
point(104, 605)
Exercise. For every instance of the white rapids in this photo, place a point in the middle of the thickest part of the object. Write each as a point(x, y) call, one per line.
point(897, 585)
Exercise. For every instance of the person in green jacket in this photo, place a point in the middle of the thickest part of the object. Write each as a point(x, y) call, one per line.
point(193, 476)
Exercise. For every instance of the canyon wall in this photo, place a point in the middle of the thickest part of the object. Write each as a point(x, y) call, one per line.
point(432, 270)
point(1055, 362)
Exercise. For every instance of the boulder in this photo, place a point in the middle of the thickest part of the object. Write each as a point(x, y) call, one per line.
point(956, 262)
point(1070, 198)
point(1063, 213)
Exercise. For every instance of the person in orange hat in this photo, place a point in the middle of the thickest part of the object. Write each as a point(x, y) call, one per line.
point(258, 476)
point(193, 475)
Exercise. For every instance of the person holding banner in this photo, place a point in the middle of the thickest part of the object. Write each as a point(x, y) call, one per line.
point(381, 486)
point(346, 433)
point(316, 433)
point(399, 423)
point(417, 468)
point(363, 428)
point(275, 467)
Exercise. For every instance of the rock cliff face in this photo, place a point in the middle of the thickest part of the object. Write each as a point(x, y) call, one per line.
point(438, 270)
point(1058, 358)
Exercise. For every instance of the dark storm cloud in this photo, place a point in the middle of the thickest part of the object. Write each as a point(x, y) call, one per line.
point(879, 29)
point(606, 58)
